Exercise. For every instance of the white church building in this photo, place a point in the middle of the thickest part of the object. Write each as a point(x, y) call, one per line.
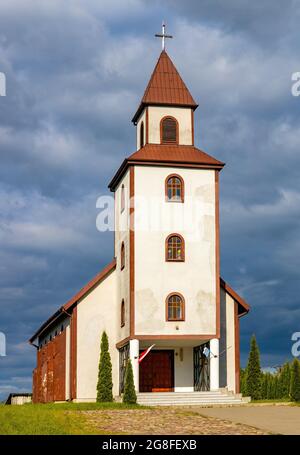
point(163, 286)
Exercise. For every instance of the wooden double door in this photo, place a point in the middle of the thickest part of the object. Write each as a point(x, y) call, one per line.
point(157, 371)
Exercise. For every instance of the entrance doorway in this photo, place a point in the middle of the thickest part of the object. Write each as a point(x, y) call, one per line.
point(157, 371)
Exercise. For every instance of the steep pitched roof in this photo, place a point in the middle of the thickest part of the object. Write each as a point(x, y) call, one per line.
point(166, 87)
point(167, 155)
point(75, 299)
point(243, 307)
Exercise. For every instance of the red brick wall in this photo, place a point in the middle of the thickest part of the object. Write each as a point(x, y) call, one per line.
point(49, 377)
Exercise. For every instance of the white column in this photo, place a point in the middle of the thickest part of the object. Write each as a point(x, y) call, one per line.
point(134, 348)
point(214, 364)
point(68, 359)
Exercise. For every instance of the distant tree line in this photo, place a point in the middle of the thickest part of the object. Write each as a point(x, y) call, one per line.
point(284, 384)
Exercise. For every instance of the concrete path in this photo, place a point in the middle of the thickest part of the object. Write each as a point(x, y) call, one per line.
point(275, 419)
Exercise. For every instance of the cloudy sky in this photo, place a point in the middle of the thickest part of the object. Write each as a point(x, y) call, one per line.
point(76, 70)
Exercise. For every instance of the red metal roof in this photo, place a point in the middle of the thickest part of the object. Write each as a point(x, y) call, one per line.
point(166, 87)
point(243, 306)
point(83, 291)
point(174, 153)
point(167, 155)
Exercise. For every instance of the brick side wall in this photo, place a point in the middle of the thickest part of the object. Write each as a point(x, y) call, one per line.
point(49, 377)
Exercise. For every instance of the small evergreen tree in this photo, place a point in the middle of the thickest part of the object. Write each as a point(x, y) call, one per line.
point(264, 386)
point(253, 378)
point(269, 386)
point(243, 381)
point(276, 388)
point(104, 385)
point(284, 381)
point(273, 387)
point(129, 389)
point(295, 381)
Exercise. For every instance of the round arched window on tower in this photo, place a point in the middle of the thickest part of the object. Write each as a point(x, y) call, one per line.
point(175, 307)
point(175, 248)
point(174, 188)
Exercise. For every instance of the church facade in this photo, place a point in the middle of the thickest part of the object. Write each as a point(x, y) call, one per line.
point(163, 287)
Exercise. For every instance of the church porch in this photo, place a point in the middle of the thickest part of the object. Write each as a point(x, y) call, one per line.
point(172, 365)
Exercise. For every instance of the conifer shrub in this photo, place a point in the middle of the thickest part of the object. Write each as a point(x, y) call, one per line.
point(253, 372)
point(129, 389)
point(295, 381)
point(105, 384)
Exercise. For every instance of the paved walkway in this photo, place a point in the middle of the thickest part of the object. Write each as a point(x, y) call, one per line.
point(275, 419)
point(162, 421)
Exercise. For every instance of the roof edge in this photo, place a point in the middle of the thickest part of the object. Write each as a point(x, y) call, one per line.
point(127, 163)
point(89, 286)
point(75, 299)
point(144, 104)
point(235, 297)
point(158, 162)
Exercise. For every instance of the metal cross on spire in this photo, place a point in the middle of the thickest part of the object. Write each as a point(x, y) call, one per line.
point(163, 35)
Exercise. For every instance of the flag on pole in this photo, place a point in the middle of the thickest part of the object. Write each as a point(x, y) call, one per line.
point(144, 353)
point(206, 351)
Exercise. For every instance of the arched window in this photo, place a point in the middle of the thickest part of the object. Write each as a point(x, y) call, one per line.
point(142, 135)
point(175, 307)
point(122, 313)
point(174, 188)
point(175, 248)
point(169, 130)
point(122, 256)
point(122, 198)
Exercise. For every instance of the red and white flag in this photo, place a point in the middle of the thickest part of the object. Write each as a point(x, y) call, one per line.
point(144, 353)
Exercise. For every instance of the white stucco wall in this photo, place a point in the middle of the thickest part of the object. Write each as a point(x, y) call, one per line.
point(141, 119)
point(230, 342)
point(184, 370)
point(183, 116)
point(122, 222)
point(155, 278)
point(97, 311)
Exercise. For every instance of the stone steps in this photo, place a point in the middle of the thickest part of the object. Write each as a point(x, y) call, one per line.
point(190, 398)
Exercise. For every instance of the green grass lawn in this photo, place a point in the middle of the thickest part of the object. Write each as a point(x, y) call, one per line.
point(277, 400)
point(50, 419)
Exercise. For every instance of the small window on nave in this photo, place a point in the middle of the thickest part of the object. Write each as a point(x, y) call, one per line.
point(122, 198)
point(122, 256)
point(142, 135)
point(122, 313)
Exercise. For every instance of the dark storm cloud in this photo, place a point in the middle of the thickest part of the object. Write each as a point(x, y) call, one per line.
point(265, 20)
point(75, 74)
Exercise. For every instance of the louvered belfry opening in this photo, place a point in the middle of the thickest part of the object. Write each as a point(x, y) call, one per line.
point(169, 130)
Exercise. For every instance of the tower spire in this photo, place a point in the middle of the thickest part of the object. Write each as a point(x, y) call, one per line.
point(163, 35)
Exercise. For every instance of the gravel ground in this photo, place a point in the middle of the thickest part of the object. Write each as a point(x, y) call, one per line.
point(164, 421)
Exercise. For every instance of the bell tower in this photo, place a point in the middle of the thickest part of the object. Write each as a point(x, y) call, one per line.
point(168, 270)
point(166, 112)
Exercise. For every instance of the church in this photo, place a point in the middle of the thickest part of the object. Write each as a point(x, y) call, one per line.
point(163, 287)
